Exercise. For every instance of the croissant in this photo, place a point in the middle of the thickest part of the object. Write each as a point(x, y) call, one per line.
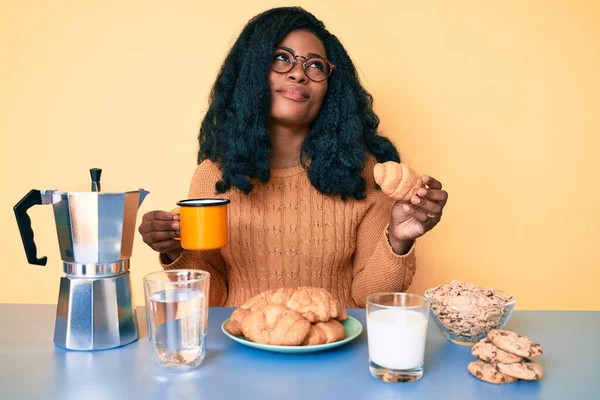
point(315, 304)
point(261, 318)
point(234, 326)
point(398, 181)
point(275, 324)
point(325, 332)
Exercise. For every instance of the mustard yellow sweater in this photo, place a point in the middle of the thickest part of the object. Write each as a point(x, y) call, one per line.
point(287, 234)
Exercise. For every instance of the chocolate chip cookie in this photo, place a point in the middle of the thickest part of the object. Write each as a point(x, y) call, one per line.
point(488, 373)
point(514, 343)
point(526, 370)
point(487, 351)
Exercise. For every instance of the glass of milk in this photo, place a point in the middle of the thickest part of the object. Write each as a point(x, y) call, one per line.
point(177, 316)
point(397, 331)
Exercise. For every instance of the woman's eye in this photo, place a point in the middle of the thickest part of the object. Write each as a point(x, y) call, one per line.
point(281, 57)
point(316, 64)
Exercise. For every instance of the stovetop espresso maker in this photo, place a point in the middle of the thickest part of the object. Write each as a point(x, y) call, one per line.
point(95, 225)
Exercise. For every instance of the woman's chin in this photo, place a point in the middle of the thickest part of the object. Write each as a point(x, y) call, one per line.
point(289, 119)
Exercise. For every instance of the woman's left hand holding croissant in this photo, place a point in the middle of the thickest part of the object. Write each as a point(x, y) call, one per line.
point(413, 218)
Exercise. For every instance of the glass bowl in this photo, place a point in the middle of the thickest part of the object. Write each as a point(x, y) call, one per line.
point(468, 324)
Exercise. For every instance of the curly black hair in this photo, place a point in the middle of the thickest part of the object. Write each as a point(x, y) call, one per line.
point(234, 133)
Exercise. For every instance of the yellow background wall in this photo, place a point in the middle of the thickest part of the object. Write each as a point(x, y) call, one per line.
point(499, 100)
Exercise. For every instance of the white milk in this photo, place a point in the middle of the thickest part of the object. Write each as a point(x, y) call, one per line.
point(397, 338)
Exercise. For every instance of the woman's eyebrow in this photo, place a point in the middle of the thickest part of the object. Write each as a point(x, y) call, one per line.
point(294, 52)
point(315, 55)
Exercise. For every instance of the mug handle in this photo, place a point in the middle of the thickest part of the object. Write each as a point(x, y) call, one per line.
point(178, 212)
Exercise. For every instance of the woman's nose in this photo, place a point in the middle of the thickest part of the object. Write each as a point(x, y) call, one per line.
point(297, 73)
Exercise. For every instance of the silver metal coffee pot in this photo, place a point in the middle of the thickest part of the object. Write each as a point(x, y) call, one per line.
point(95, 225)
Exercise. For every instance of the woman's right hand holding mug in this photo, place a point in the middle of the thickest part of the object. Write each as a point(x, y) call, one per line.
point(158, 229)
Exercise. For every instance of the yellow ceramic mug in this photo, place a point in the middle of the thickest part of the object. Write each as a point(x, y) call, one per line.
point(203, 223)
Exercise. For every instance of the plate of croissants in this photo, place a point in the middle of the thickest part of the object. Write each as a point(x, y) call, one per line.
point(292, 320)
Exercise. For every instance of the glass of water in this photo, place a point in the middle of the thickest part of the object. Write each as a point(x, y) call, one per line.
point(397, 332)
point(177, 314)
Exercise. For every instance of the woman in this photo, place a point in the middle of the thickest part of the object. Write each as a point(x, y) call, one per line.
point(290, 137)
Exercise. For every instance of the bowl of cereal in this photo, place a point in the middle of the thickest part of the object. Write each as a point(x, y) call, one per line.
point(465, 312)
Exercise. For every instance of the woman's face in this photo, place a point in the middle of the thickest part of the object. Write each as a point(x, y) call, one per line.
point(295, 99)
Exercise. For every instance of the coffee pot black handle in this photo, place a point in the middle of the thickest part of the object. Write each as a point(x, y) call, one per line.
point(34, 197)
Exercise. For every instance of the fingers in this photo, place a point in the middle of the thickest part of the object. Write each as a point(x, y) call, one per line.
point(158, 225)
point(161, 216)
point(432, 183)
point(155, 225)
point(415, 213)
point(439, 196)
point(165, 246)
point(428, 207)
point(158, 228)
point(158, 236)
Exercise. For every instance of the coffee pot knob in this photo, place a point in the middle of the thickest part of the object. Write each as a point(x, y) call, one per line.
point(95, 174)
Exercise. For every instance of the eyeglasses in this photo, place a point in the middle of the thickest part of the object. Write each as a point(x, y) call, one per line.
point(315, 67)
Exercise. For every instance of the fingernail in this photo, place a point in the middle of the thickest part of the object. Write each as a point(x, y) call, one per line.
point(177, 233)
point(425, 178)
point(176, 217)
point(175, 226)
point(406, 208)
point(415, 199)
point(422, 192)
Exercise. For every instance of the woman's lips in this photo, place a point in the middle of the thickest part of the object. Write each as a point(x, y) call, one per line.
point(294, 94)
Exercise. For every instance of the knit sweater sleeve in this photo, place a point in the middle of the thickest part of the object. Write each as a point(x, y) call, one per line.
point(376, 268)
point(203, 185)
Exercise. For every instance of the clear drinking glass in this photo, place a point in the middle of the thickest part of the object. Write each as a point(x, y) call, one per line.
point(177, 314)
point(397, 331)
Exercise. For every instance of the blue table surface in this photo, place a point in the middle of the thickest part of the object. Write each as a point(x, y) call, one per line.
point(32, 367)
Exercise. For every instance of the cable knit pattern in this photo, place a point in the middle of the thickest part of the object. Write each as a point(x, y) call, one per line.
point(287, 234)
